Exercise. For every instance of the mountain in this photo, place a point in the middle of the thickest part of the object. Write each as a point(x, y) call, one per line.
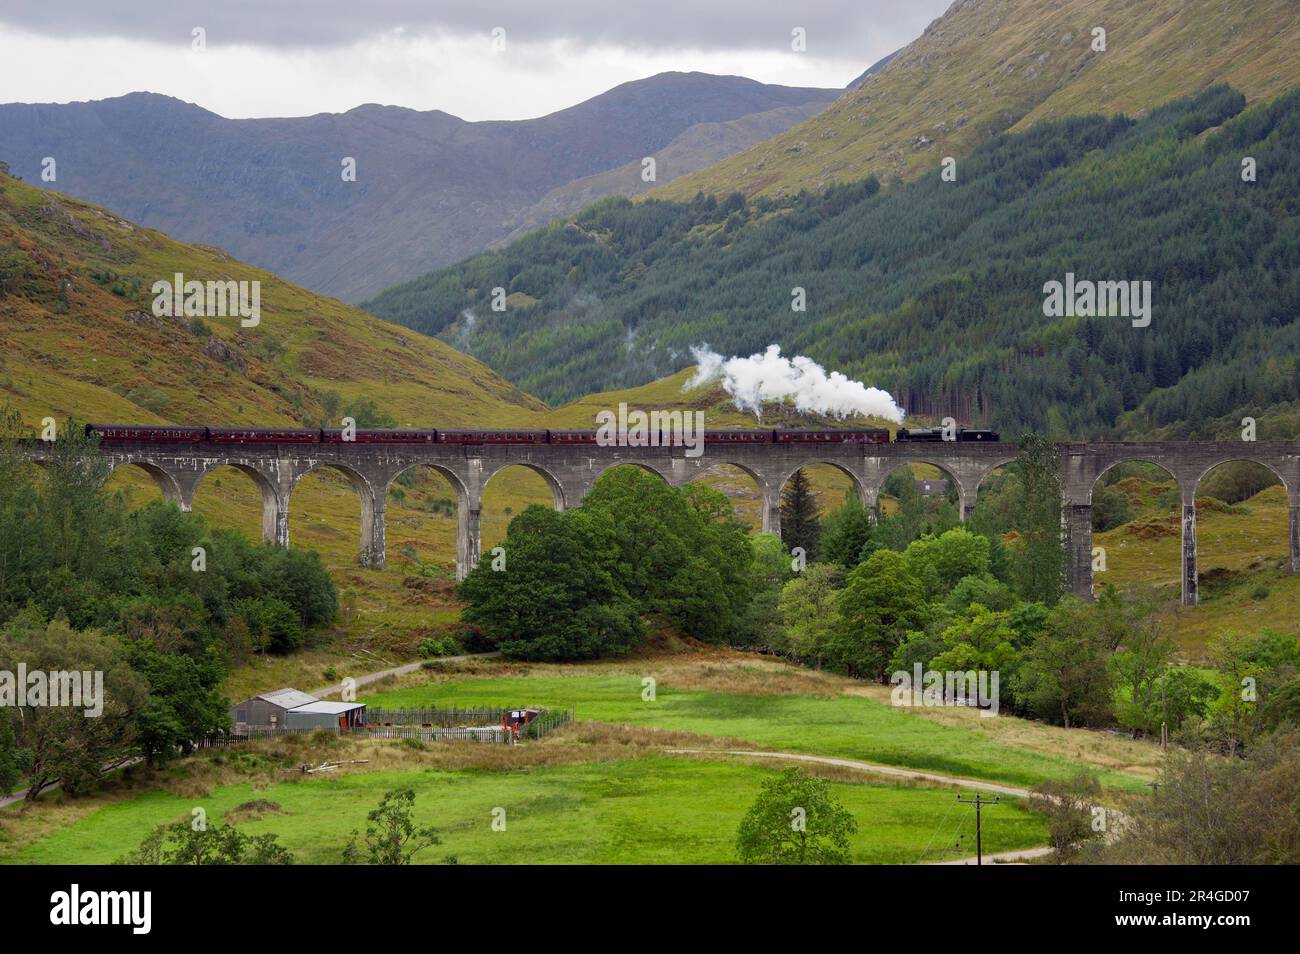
point(80, 337)
point(430, 188)
point(936, 291)
point(873, 69)
point(696, 148)
point(989, 66)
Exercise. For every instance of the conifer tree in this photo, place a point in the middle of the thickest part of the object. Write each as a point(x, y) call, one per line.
point(1040, 564)
point(800, 526)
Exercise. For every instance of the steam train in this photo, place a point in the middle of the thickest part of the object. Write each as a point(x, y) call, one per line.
point(936, 434)
point(121, 433)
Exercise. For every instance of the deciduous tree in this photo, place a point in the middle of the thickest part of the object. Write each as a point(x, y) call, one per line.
point(392, 837)
point(796, 820)
point(881, 602)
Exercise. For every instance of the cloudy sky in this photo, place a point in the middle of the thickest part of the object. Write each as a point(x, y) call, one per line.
point(291, 58)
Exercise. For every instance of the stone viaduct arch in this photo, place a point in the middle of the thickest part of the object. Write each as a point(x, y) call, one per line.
point(570, 471)
point(168, 485)
point(1082, 465)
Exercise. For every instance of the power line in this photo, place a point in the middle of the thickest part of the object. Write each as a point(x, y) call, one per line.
point(980, 805)
point(938, 828)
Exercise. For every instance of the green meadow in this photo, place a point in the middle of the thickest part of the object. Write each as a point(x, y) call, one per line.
point(644, 811)
point(845, 726)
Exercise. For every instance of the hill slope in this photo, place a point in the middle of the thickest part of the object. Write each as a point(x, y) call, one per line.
point(80, 337)
point(935, 291)
point(430, 188)
point(696, 148)
point(988, 66)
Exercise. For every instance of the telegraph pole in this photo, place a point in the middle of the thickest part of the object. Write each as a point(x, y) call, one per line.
point(979, 807)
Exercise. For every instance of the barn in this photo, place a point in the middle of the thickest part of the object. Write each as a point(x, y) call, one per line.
point(328, 715)
point(291, 709)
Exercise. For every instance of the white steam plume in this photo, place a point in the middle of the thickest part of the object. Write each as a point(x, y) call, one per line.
point(770, 377)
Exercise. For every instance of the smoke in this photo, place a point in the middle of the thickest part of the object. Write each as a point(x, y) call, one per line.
point(771, 377)
point(467, 322)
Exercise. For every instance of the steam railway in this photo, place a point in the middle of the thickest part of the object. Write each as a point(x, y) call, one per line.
point(175, 434)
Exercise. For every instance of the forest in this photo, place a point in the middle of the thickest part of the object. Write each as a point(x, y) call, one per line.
point(934, 289)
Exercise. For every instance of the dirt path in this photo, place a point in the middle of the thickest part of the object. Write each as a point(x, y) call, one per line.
point(1003, 857)
point(874, 768)
point(360, 681)
point(16, 797)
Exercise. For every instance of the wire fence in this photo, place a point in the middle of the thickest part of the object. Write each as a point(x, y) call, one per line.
point(547, 722)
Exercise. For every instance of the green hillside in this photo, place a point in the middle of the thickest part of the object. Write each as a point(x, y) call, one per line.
point(935, 290)
point(1245, 582)
point(80, 337)
point(80, 340)
point(988, 66)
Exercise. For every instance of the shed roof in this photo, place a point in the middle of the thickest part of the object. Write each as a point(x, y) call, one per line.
point(287, 698)
point(330, 708)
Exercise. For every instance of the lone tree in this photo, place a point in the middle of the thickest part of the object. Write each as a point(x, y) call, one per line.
point(795, 821)
point(391, 835)
point(799, 524)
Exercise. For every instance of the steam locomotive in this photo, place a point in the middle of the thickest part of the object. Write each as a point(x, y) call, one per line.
point(935, 434)
point(170, 434)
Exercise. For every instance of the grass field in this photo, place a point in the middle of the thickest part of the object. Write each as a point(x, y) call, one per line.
point(785, 708)
point(644, 811)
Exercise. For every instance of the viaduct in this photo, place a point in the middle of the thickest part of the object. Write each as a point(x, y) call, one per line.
point(570, 471)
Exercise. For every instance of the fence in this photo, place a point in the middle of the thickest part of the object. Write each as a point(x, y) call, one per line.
point(429, 725)
point(454, 734)
point(485, 715)
point(495, 735)
point(539, 728)
point(547, 722)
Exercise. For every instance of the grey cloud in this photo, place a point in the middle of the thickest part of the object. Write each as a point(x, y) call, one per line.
point(835, 27)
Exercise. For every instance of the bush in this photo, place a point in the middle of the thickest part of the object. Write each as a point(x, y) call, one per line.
point(430, 648)
point(272, 623)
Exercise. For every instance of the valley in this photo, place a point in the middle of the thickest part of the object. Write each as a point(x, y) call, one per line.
point(987, 372)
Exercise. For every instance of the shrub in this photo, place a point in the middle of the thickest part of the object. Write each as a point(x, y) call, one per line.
point(272, 623)
point(446, 646)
